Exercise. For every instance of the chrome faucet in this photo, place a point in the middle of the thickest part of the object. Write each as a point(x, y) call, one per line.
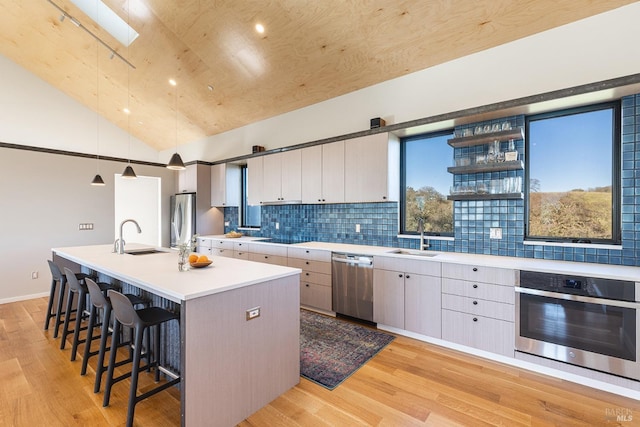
point(421, 231)
point(118, 245)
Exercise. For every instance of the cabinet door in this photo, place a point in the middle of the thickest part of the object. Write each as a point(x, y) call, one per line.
point(255, 180)
point(291, 173)
point(272, 178)
point(218, 185)
point(367, 168)
point(311, 174)
point(188, 179)
point(333, 170)
point(422, 304)
point(225, 185)
point(388, 298)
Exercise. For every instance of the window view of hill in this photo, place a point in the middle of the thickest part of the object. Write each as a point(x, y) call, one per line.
point(430, 205)
point(585, 214)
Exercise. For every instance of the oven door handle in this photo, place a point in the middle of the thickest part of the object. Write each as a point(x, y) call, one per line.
point(579, 298)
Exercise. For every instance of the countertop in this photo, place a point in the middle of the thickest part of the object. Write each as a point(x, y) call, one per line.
point(158, 273)
point(607, 271)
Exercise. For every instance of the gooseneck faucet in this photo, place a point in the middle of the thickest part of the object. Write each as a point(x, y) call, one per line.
point(118, 245)
point(421, 231)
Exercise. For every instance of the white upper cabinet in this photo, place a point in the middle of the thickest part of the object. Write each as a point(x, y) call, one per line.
point(188, 179)
point(225, 185)
point(372, 168)
point(255, 180)
point(323, 173)
point(281, 177)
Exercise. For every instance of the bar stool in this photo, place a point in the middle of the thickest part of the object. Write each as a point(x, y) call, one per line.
point(100, 302)
point(75, 287)
point(57, 278)
point(139, 321)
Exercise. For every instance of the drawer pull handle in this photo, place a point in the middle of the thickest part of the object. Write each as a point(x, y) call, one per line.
point(407, 276)
point(475, 303)
point(475, 286)
point(307, 251)
point(399, 275)
point(475, 268)
point(307, 285)
point(306, 274)
point(307, 262)
point(475, 319)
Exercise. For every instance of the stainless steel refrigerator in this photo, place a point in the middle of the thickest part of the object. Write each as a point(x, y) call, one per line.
point(183, 218)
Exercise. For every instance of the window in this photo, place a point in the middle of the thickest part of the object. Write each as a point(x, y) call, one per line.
point(573, 175)
point(249, 215)
point(425, 184)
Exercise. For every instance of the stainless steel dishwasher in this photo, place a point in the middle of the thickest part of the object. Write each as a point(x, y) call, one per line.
point(352, 279)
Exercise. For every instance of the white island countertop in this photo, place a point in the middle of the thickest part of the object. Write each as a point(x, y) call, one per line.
point(158, 272)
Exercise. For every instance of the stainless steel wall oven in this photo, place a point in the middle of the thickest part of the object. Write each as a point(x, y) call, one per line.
point(590, 322)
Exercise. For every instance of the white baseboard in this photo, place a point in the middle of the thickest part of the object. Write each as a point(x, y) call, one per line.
point(23, 298)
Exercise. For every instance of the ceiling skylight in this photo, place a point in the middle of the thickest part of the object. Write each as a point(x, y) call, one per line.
point(108, 20)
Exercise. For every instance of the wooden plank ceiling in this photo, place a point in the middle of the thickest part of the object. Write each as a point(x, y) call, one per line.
point(311, 51)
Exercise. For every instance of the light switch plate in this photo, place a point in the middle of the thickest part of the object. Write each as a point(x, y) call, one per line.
point(495, 233)
point(252, 313)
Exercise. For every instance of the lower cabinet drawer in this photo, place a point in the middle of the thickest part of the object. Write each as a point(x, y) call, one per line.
point(314, 295)
point(222, 252)
point(480, 307)
point(317, 278)
point(483, 333)
point(241, 254)
point(269, 259)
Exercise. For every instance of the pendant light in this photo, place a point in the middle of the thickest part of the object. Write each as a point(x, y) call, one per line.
point(97, 180)
point(128, 171)
point(176, 162)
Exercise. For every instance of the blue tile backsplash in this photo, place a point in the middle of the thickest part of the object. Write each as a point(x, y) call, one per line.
point(472, 218)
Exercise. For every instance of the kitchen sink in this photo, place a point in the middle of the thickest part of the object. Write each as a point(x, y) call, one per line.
point(414, 253)
point(144, 251)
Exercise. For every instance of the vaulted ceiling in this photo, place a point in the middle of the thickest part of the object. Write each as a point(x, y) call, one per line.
point(229, 75)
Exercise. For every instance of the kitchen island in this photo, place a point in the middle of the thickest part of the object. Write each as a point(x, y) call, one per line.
point(231, 363)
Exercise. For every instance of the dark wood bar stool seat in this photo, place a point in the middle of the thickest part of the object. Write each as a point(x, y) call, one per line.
point(140, 321)
point(58, 280)
point(100, 302)
point(81, 290)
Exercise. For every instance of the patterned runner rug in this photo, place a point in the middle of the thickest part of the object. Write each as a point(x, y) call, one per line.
point(332, 349)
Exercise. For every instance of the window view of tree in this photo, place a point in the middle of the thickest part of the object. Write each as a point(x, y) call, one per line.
point(571, 175)
point(426, 184)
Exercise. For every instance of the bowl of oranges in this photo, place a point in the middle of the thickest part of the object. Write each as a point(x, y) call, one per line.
point(199, 261)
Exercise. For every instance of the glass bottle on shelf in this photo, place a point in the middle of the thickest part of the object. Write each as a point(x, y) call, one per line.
point(511, 155)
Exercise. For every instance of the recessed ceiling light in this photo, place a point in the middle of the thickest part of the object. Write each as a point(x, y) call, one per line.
point(210, 87)
point(126, 110)
point(172, 82)
point(260, 28)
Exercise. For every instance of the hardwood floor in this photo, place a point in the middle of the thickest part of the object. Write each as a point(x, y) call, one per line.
point(409, 383)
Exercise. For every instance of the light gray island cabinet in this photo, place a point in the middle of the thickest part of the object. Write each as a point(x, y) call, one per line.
point(231, 366)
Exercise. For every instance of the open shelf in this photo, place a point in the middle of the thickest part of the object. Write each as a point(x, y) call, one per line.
point(483, 138)
point(489, 167)
point(501, 196)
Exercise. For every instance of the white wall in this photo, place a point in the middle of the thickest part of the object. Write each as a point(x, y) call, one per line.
point(587, 51)
point(36, 114)
point(43, 199)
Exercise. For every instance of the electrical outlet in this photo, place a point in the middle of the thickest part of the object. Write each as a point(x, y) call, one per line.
point(357, 228)
point(227, 223)
point(34, 274)
point(252, 313)
point(495, 233)
point(85, 226)
point(277, 226)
